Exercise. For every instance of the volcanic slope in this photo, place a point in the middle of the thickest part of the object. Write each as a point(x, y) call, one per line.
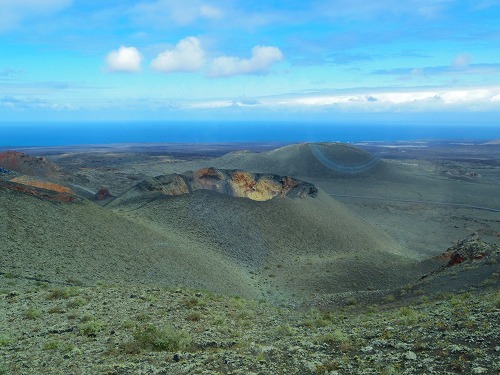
point(291, 247)
point(296, 244)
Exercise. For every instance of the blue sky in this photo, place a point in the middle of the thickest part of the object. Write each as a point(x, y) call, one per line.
point(233, 59)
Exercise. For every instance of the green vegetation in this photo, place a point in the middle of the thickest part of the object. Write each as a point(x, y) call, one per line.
point(57, 309)
point(62, 293)
point(52, 345)
point(5, 340)
point(76, 302)
point(336, 338)
point(33, 314)
point(164, 338)
point(194, 316)
point(90, 327)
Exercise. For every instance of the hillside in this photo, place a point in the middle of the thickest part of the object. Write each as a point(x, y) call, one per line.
point(307, 160)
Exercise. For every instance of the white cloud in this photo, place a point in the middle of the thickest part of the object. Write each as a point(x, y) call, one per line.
point(125, 59)
point(186, 56)
point(12, 12)
point(263, 57)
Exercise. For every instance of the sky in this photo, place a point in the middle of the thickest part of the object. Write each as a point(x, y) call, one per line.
point(350, 60)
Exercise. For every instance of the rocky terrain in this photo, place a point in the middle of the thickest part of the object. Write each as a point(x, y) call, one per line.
point(48, 328)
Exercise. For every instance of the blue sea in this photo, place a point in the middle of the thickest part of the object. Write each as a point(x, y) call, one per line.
point(61, 134)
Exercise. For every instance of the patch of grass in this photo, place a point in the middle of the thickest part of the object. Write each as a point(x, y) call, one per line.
point(285, 331)
point(194, 316)
point(390, 370)
point(74, 281)
point(90, 328)
point(86, 318)
point(5, 340)
point(335, 338)
point(191, 302)
point(57, 309)
point(316, 318)
point(351, 301)
point(33, 314)
point(142, 317)
point(127, 324)
point(165, 338)
point(52, 345)
point(389, 298)
point(62, 293)
point(76, 302)
point(409, 315)
point(41, 284)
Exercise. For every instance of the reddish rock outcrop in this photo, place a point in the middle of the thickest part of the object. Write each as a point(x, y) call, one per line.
point(28, 165)
point(236, 183)
point(38, 192)
point(469, 249)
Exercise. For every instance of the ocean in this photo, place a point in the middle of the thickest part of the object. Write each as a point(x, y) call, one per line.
point(60, 134)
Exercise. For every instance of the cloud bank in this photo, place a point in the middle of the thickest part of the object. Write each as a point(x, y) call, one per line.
point(379, 100)
point(125, 59)
point(186, 56)
point(263, 57)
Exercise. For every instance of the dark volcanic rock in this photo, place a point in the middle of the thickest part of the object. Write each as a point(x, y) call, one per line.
point(102, 194)
point(255, 186)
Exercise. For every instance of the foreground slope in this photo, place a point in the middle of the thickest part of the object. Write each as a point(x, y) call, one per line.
point(136, 329)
